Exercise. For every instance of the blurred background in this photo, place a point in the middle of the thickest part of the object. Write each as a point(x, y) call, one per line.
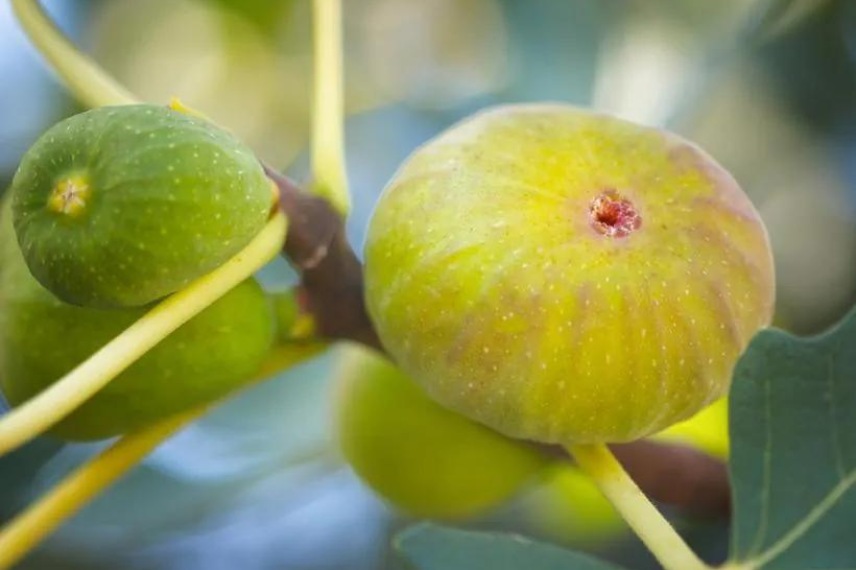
point(766, 86)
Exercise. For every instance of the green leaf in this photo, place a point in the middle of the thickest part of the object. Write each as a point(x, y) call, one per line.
point(432, 547)
point(793, 458)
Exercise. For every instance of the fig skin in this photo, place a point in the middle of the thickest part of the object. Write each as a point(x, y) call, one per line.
point(43, 338)
point(121, 206)
point(425, 460)
point(565, 276)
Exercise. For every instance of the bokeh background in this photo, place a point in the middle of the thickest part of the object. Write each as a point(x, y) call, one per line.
point(767, 86)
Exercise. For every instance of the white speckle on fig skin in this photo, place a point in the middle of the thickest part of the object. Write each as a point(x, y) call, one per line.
point(164, 166)
point(591, 337)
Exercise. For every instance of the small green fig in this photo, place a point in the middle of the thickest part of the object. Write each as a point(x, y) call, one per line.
point(43, 338)
point(566, 276)
point(120, 206)
point(424, 459)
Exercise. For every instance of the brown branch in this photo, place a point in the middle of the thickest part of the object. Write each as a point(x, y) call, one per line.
point(331, 275)
point(332, 292)
point(678, 475)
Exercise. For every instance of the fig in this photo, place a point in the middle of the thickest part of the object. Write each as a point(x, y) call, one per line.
point(569, 508)
point(121, 206)
point(43, 338)
point(566, 276)
point(425, 460)
point(706, 431)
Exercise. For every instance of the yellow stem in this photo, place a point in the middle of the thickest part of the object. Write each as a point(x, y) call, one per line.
point(328, 115)
point(61, 398)
point(642, 516)
point(90, 84)
point(76, 490)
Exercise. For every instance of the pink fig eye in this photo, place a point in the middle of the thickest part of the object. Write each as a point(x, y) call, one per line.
point(614, 216)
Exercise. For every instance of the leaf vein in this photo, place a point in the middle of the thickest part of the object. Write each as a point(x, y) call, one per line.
point(840, 468)
point(807, 522)
point(761, 533)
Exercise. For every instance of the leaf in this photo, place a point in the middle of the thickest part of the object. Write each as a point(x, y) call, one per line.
point(793, 462)
point(431, 547)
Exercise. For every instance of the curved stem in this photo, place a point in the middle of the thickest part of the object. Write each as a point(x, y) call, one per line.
point(61, 398)
point(328, 147)
point(63, 501)
point(89, 84)
point(642, 516)
point(76, 490)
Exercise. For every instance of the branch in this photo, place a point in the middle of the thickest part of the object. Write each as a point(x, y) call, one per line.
point(678, 475)
point(331, 275)
point(332, 293)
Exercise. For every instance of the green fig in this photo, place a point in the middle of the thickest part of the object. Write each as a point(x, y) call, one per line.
point(424, 459)
point(569, 508)
point(121, 206)
point(566, 276)
point(43, 338)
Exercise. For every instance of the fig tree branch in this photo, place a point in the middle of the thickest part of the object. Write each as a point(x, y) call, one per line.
point(331, 291)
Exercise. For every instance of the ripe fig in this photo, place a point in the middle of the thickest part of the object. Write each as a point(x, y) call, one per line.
point(120, 206)
point(566, 276)
point(43, 338)
point(424, 459)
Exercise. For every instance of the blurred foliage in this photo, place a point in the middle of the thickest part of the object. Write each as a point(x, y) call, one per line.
point(766, 86)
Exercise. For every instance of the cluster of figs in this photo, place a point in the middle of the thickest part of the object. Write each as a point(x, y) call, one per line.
point(537, 271)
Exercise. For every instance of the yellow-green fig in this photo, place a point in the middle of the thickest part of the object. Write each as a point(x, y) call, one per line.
point(424, 459)
point(566, 276)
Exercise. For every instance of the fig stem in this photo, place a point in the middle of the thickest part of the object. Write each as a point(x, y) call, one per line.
point(643, 517)
point(64, 396)
point(328, 120)
point(77, 489)
point(64, 500)
point(88, 82)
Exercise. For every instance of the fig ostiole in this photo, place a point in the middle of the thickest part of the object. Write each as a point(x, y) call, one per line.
point(121, 206)
point(565, 276)
point(42, 338)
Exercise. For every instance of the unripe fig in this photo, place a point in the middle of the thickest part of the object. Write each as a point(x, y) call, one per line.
point(120, 206)
point(566, 276)
point(706, 431)
point(424, 459)
point(43, 338)
point(568, 507)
